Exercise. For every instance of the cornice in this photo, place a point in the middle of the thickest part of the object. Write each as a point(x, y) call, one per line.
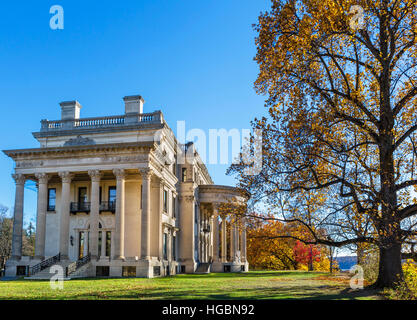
point(213, 188)
point(80, 149)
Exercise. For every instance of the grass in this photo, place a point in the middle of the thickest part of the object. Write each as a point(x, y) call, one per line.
point(251, 285)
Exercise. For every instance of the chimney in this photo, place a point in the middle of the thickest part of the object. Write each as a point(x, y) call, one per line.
point(70, 110)
point(134, 104)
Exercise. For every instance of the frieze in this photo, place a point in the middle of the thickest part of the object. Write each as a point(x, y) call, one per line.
point(79, 141)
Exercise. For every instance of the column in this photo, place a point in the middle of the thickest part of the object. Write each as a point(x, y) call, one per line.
point(243, 241)
point(215, 235)
point(146, 214)
point(94, 212)
point(18, 216)
point(66, 178)
point(207, 236)
point(224, 239)
point(119, 236)
point(159, 218)
point(232, 241)
point(236, 237)
point(41, 214)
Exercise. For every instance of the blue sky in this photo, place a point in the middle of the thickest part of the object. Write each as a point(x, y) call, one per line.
point(191, 59)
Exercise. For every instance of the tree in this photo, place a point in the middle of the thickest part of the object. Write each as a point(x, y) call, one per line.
point(342, 120)
point(269, 248)
point(6, 232)
point(265, 251)
point(306, 254)
point(28, 243)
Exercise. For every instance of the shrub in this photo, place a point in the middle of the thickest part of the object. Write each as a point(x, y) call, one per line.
point(407, 290)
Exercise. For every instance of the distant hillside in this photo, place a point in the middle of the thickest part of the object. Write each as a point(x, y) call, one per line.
point(346, 262)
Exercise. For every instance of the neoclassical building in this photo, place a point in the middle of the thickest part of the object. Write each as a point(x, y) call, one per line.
point(120, 196)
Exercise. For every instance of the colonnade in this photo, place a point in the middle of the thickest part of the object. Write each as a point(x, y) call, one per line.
point(66, 179)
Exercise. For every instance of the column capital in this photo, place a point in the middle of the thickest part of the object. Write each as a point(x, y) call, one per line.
point(95, 175)
point(19, 178)
point(146, 173)
point(66, 176)
point(119, 173)
point(42, 177)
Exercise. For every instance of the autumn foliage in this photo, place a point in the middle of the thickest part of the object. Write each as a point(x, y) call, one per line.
point(341, 84)
point(266, 251)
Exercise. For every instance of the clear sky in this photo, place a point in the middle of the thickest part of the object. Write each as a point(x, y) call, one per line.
point(191, 59)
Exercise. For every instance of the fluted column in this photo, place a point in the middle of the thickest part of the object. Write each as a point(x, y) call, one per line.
point(215, 235)
point(146, 214)
point(18, 216)
point(119, 237)
point(224, 239)
point(94, 212)
point(41, 214)
point(66, 178)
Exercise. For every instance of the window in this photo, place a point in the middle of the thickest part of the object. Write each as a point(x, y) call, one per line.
point(174, 245)
point(165, 246)
point(108, 243)
point(174, 214)
point(100, 241)
point(112, 194)
point(51, 199)
point(156, 270)
point(184, 175)
point(21, 270)
point(102, 271)
point(81, 244)
point(99, 195)
point(165, 201)
point(128, 271)
point(82, 195)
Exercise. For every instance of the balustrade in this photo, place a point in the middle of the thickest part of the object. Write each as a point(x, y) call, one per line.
point(100, 122)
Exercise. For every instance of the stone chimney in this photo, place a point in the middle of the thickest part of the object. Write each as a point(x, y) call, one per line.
point(70, 110)
point(133, 104)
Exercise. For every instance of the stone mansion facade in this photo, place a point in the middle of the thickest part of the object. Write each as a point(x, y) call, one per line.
point(120, 196)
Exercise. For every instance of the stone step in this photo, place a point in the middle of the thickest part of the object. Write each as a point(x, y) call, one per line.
point(46, 274)
point(203, 268)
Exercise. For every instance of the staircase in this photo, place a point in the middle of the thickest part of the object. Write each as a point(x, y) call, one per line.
point(45, 269)
point(48, 273)
point(203, 268)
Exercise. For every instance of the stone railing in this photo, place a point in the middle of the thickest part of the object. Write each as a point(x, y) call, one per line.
point(102, 122)
point(77, 264)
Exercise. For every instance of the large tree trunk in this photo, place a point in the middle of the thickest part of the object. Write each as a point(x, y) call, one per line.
point(360, 254)
point(390, 269)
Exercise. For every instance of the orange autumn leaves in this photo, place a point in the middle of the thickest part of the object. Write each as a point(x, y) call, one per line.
point(266, 250)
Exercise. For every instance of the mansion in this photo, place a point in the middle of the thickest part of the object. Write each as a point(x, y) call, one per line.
point(119, 196)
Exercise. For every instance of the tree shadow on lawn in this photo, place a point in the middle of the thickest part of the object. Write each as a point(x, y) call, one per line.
point(251, 274)
point(304, 292)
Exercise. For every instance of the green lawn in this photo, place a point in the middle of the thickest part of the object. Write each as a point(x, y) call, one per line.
point(252, 285)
